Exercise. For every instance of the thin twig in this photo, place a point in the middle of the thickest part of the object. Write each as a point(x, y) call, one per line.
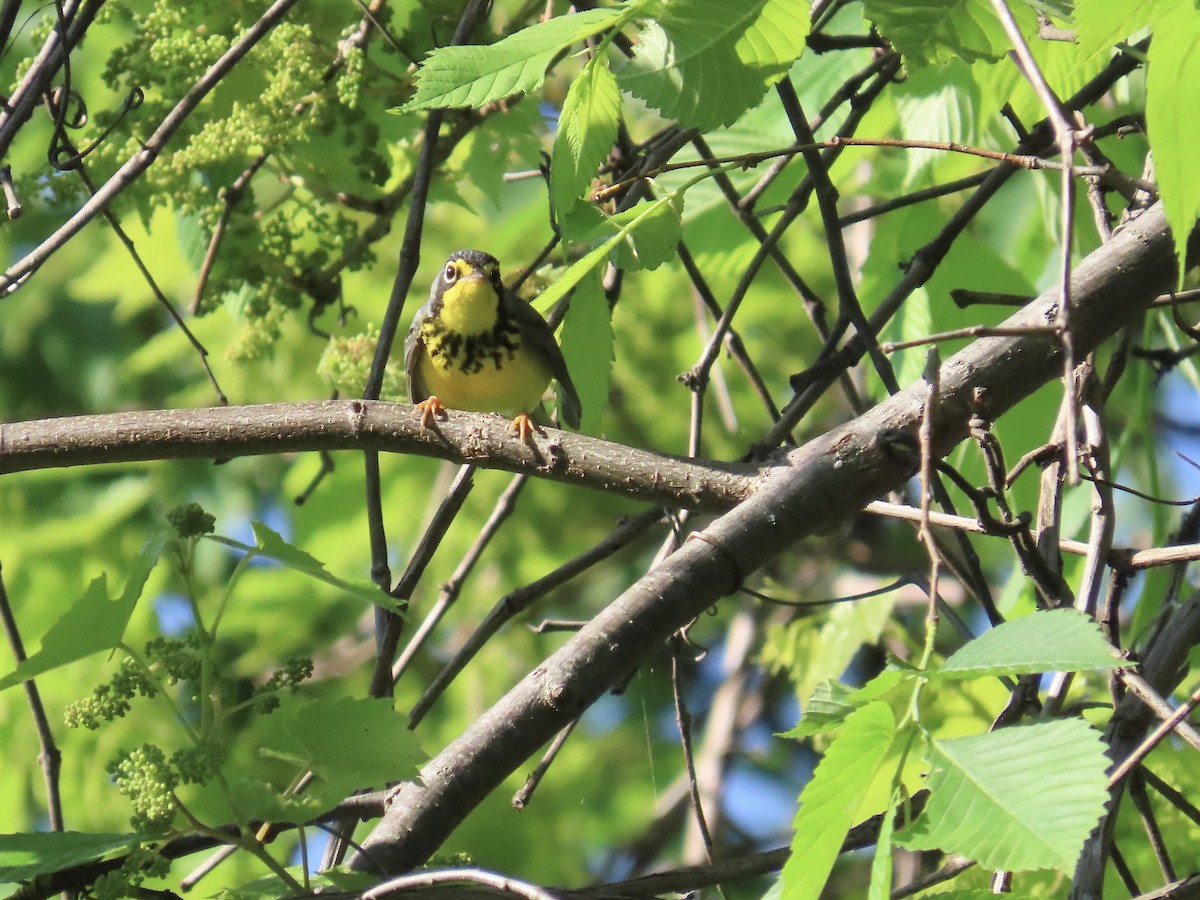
point(49, 756)
point(410, 255)
point(127, 242)
point(387, 637)
point(1158, 705)
point(522, 797)
point(516, 602)
point(1155, 737)
point(503, 508)
point(1141, 802)
point(1066, 136)
point(683, 722)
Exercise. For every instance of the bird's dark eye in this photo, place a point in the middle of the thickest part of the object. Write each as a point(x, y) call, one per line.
point(451, 274)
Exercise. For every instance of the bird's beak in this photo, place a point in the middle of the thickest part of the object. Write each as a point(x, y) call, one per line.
point(474, 278)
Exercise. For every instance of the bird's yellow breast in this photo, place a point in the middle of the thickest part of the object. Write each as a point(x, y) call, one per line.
point(508, 380)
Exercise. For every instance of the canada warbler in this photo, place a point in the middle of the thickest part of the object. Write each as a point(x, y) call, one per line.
point(475, 345)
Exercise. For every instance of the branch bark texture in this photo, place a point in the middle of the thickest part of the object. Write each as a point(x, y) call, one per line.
point(806, 492)
point(225, 432)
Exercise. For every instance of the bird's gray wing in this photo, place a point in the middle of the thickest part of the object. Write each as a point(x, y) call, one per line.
point(535, 330)
point(414, 346)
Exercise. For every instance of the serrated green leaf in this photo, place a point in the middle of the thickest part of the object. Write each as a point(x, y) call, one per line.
point(831, 799)
point(825, 710)
point(470, 76)
point(1060, 640)
point(587, 128)
point(1171, 123)
point(577, 271)
point(931, 32)
point(705, 62)
point(656, 238)
point(94, 622)
point(587, 344)
point(1020, 798)
point(24, 857)
point(881, 685)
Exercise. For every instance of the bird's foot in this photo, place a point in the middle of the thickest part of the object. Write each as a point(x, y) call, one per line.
point(524, 427)
point(430, 408)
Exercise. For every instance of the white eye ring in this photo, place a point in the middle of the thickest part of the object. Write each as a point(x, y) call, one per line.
point(450, 275)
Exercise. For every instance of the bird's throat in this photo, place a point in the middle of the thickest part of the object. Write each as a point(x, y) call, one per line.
point(470, 307)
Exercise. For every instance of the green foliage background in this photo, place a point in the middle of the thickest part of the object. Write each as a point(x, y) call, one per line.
point(306, 268)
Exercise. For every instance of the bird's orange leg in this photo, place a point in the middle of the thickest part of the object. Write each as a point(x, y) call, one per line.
point(430, 408)
point(524, 427)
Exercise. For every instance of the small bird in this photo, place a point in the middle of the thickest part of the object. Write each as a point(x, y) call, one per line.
point(475, 345)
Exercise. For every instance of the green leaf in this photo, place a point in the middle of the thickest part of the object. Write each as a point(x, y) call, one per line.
point(1171, 123)
point(931, 32)
point(913, 321)
point(1020, 798)
point(267, 887)
point(654, 241)
point(576, 272)
point(587, 344)
point(705, 62)
point(24, 857)
point(1060, 9)
point(470, 76)
point(881, 866)
point(348, 743)
point(1102, 24)
point(846, 629)
point(256, 799)
point(586, 130)
point(271, 544)
point(92, 624)
point(1061, 640)
point(825, 710)
point(831, 799)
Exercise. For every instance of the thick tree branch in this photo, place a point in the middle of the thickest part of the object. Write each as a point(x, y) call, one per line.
point(812, 490)
point(232, 431)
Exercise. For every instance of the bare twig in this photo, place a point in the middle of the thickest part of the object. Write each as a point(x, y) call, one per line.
point(522, 797)
point(49, 757)
point(450, 590)
point(518, 601)
point(432, 878)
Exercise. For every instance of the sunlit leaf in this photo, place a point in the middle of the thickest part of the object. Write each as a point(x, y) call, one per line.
point(1171, 122)
point(347, 743)
point(587, 344)
point(705, 62)
point(829, 803)
point(470, 76)
point(653, 242)
point(1020, 798)
point(1102, 24)
point(930, 32)
point(587, 127)
point(271, 544)
point(92, 624)
point(1060, 640)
